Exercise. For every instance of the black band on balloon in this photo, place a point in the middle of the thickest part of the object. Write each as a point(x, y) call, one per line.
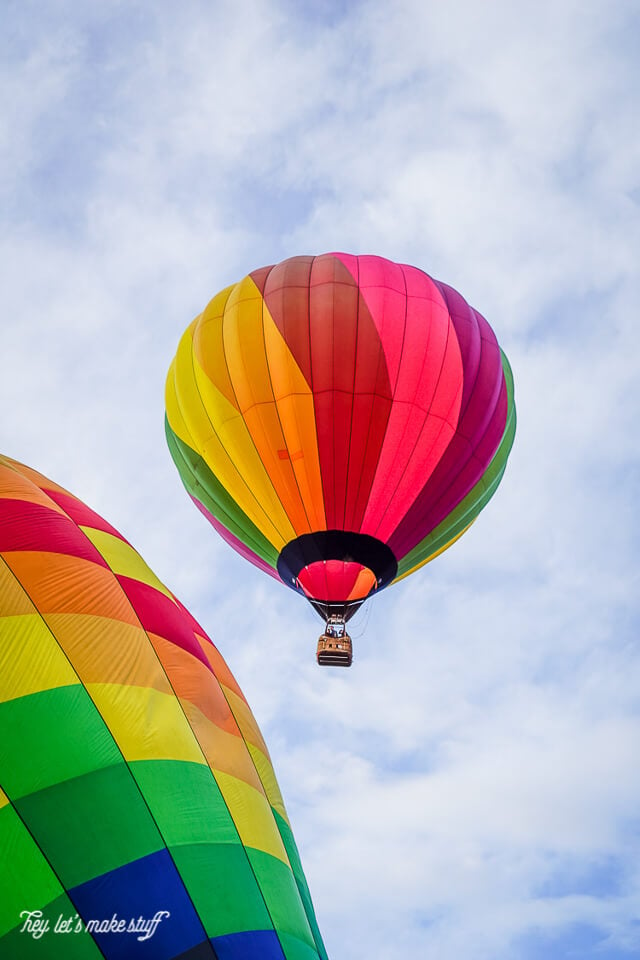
point(337, 545)
point(343, 610)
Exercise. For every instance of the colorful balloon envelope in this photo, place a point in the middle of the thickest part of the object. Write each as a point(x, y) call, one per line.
point(139, 812)
point(340, 421)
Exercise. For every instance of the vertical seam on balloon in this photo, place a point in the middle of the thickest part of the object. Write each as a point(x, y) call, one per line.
point(484, 490)
point(313, 395)
point(333, 403)
point(252, 496)
point(126, 762)
point(393, 389)
point(353, 391)
point(497, 387)
point(432, 505)
point(397, 378)
point(331, 417)
point(309, 383)
point(115, 743)
point(443, 423)
point(249, 434)
point(313, 260)
point(206, 762)
point(426, 414)
point(252, 761)
point(201, 490)
point(275, 404)
point(478, 368)
point(198, 481)
point(261, 509)
point(262, 306)
point(434, 551)
point(382, 360)
point(246, 743)
point(483, 342)
point(375, 395)
point(488, 487)
point(463, 464)
point(447, 537)
point(20, 817)
point(473, 316)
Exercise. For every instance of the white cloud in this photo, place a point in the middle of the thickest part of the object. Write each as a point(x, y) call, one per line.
point(484, 742)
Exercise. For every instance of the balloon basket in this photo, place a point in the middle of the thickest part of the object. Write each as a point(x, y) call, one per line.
point(334, 651)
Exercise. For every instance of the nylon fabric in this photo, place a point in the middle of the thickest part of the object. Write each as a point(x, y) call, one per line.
point(373, 398)
point(127, 783)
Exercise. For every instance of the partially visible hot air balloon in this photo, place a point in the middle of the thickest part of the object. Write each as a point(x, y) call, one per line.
point(135, 786)
point(340, 420)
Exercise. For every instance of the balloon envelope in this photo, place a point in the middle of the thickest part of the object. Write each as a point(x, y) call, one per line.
point(134, 782)
point(340, 421)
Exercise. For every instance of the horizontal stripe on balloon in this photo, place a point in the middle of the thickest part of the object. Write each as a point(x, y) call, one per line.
point(14, 485)
point(105, 707)
point(57, 583)
point(35, 527)
point(81, 514)
point(159, 614)
point(31, 659)
point(123, 559)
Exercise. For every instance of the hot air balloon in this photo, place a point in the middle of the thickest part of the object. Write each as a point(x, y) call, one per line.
point(139, 812)
point(340, 420)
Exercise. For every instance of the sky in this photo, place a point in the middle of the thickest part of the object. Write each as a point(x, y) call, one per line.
point(471, 787)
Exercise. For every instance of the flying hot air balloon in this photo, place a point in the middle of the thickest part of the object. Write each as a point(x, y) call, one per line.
point(139, 812)
point(340, 420)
